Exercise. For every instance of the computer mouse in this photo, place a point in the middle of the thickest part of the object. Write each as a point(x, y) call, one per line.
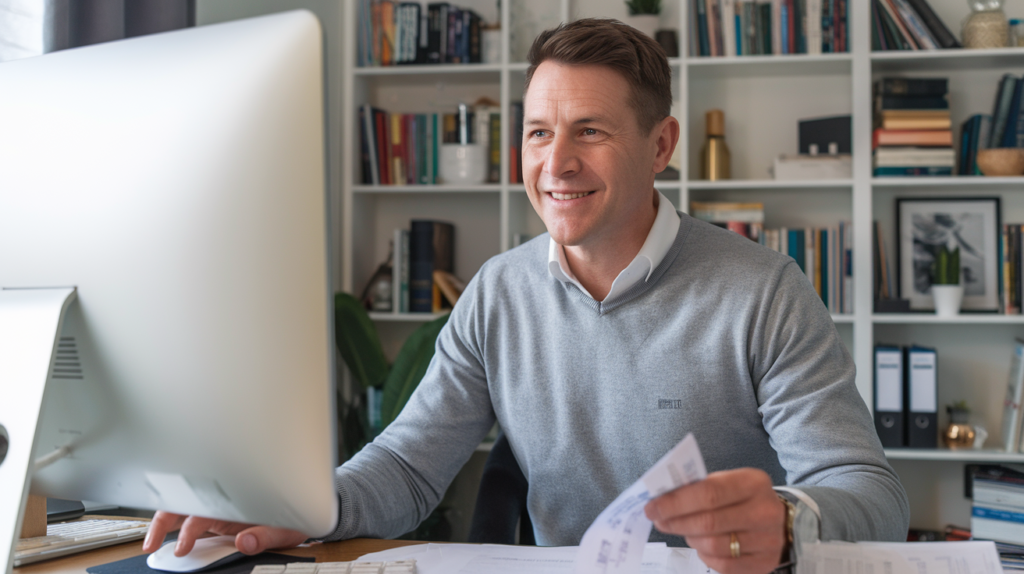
point(207, 553)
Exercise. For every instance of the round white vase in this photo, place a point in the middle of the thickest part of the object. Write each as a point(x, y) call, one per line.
point(947, 299)
point(646, 23)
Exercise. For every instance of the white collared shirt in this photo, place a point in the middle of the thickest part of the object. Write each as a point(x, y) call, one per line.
point(659, 241)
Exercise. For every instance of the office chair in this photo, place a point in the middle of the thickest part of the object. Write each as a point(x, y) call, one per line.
point(501, 500)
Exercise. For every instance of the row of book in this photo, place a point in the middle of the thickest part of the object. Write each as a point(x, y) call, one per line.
point(1011, 265)
point(997, 510)
point(906, 396)
point(404, 149)
point(393, 33)
point(825, 254)
point(756, 27)
point(908, 25)
point(912, 128)
point(423, 265)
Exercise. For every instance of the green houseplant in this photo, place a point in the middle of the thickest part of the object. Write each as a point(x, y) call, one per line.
point(643, 15)
point(360, 349)
point(946, 288)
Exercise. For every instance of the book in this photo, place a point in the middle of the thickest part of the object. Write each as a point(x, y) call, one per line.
point(722, 212)
point(1009, 138)
point(882, 137)
point(912, 171)
point(1001, 109)
point(431, 247)
point(939, 31)
point(913, 156)
point(885, 103)
point(1014, 399)
point(921, 33)
point(400, 271)
point(932, 87)
point(901, 28)
point(895, 122)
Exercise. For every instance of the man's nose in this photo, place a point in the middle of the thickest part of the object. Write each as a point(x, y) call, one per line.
point(563, 157)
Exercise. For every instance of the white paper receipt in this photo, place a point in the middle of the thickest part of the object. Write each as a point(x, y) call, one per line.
point(614, 543)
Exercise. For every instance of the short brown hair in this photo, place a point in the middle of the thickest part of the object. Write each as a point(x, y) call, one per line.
point(624, 49)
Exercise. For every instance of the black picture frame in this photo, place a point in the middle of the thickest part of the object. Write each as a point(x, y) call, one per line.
point(974, 224)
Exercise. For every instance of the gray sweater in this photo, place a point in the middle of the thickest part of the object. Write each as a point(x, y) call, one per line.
point(726, 340)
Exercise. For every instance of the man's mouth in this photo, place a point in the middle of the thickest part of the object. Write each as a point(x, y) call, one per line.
point(564, 196)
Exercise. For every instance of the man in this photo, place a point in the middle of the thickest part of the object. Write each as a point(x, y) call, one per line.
point(642, 325)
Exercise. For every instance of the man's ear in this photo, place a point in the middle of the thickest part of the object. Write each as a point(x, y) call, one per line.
point(666, 134)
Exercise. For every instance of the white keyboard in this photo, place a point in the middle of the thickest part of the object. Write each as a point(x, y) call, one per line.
point(71, 537)
point(397, 567)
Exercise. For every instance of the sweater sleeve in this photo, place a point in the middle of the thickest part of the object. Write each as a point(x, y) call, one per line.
point(391, 485)
point(816, 419)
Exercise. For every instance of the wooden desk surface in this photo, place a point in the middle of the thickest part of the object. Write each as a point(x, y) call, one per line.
point(328, 552)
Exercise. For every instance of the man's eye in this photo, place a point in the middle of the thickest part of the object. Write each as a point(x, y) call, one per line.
point(590, 132)
point(538, 133)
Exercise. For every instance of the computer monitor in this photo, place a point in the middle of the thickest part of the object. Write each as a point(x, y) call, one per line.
point(170, 191)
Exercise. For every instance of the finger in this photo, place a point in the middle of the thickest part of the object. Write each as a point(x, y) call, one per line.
point(724, 488)
point(750, 515)
point(162, 523)
point(750, 542)
point(191, 529)
point(260, 538)
point(745, 564)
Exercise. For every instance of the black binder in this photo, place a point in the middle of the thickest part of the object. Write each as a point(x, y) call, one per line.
point(921, 397)
point(889, 400)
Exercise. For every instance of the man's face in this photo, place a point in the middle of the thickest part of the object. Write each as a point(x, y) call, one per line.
point(588, 170)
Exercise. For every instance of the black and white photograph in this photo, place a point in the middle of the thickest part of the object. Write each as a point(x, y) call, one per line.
point(926, 225)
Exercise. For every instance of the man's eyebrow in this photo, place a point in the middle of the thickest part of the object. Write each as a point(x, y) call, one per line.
point(588, 120)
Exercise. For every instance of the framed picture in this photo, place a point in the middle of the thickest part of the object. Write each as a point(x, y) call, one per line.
point(924, 225)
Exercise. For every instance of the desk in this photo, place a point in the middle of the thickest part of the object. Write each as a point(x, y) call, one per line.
point(327, 552)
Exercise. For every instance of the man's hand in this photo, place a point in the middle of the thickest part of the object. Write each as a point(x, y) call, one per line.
point(249, 539)
point(708, 512)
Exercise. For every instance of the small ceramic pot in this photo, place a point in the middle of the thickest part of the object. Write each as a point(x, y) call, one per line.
point(947, 299)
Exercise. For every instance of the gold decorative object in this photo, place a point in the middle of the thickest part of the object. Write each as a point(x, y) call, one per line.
point(958, 434)
point(1001, 161)
point(714, 157)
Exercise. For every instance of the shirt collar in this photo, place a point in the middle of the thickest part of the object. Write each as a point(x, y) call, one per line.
point(656, 246)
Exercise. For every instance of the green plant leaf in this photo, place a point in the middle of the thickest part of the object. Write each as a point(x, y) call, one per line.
point(357, 341)
point(409, 368)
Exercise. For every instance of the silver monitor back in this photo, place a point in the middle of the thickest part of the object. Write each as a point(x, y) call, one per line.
point(177, 180)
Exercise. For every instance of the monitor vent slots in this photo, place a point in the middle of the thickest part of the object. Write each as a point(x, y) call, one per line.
point(66, 364)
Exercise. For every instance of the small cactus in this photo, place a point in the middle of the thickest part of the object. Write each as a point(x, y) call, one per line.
point(946, 267)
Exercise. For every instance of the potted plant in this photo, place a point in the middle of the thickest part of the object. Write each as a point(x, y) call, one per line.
point(643, 15)
point(946, 288)
point(383, 388)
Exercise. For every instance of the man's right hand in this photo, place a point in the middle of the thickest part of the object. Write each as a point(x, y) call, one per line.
point(249, 539)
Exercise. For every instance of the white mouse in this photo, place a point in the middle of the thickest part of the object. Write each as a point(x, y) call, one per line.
point(217, 550)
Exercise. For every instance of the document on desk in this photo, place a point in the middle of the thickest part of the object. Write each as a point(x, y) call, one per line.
point(900, 558)
point(496, 559)
point(615, 541)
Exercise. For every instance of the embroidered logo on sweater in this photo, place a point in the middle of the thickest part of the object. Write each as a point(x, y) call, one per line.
point(670, 404)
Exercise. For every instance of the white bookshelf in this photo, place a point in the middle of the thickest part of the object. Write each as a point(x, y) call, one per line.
point(763, 98)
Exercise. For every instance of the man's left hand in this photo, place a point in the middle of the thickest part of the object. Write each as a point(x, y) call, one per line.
point(708, 513)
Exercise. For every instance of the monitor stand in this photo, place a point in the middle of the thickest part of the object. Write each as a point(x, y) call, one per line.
point(30, 324)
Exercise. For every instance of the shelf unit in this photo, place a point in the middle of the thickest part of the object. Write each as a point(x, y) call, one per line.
point(763, 97)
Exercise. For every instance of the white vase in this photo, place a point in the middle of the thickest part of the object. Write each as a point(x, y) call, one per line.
point(646, 23)
point(947, 299)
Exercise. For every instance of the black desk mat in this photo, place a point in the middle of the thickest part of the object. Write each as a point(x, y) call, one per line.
point(137, 565)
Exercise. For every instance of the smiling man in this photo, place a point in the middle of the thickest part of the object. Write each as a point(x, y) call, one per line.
point(600, 345)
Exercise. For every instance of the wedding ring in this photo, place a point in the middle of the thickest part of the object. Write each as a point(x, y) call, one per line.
point(734, 545)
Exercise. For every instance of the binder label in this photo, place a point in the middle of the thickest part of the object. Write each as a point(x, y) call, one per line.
point(922, 383)
point(889, 386)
